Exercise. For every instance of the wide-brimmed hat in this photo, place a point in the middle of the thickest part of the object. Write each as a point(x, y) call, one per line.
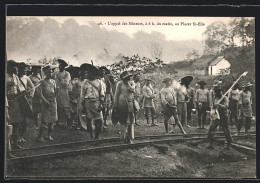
point(247, 84)
point(62, 62)
point(125, 74)
point(217, 82)
point(73, 70)
point(202, 83)
point(36, 67)
point(90, 68)
point(104, 68)
point(186, 80)
point(11, 63)
point(217, 87)
point(167, 80)
point(22, 66)
point(136, 74)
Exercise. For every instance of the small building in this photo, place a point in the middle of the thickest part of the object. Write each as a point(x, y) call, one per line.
point(217, 65)
point(210, 65)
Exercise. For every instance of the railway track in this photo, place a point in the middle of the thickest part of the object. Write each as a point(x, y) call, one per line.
point(99, 142)
point(87, 147)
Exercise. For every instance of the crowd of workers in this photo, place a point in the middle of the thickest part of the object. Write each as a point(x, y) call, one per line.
point(64, 96)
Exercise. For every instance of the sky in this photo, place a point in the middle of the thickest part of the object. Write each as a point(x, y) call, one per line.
point(186, 29)
point(179, 35)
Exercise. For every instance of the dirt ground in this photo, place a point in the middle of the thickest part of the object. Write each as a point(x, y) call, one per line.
point(182, 160)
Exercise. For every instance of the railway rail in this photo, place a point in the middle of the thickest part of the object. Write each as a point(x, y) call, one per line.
point(84, 147)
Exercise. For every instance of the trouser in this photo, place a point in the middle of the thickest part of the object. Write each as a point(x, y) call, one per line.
point(202, 113)
point(246, 121)
point(23, 127)
point(105, 112)
point(16, 133)
point(189, 110)
point(182, 109)
point(233, 112)
point(127, 129)
point(37, 119)
point(223, 122)
point(98, 127)
point(64, 115)
point(49, 127)
point(146, 112)
point(7, 141)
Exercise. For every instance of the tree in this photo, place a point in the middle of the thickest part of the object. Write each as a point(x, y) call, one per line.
point(217, 37)
point(194, 54)
point(243, 29)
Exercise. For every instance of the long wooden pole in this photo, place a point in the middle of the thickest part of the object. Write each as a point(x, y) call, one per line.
point(244, 74)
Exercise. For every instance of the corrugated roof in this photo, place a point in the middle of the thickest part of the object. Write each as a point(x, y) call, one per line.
point(216, 61)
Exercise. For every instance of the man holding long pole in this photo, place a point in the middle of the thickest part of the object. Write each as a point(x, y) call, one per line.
point(219, 113)
point(222, 118)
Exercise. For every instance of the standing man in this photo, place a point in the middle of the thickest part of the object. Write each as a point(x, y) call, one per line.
point(137, 94)
point(149, 96)
point(62, 79)
point(14, 89)
point(246, 105)
point(212, 93)
point(74, 72)
point(169, 102)
point(36, 77)
point(222, 120)
point(8, 133)
point(191, 99)
point(29, 88)
point(48, 93)
point(202, 103)
point(183, 99)
point(109, 96)
point(233, 104)
point(92, 98)
point(76, 91)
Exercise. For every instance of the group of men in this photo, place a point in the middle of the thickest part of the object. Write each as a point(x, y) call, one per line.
point(179, 102)
point(60, 96)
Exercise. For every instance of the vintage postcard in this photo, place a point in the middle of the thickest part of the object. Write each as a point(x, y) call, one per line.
point(130, 97)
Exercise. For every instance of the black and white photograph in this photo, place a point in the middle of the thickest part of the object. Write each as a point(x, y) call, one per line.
point(130, 97)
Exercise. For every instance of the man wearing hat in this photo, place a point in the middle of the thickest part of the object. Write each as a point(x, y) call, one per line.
point(75, 94)
point(148, 102)
point(211, 92)
point(124, 105)
point(183, 98)
point(222, 120)
point(169, 102)
point(202, 103)
point(13, 89)
point(109, 97)
point(137, 94)
point(62, 79)
point(92, 98)
point(191, 97)
point(48, 93)
point(36, 77)
point(233, 104)
point(29, 87)
point(246, 106)
point(74, 73)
